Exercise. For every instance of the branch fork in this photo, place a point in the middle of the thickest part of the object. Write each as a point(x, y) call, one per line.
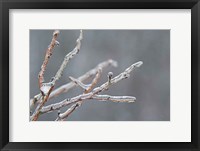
point(90, 92)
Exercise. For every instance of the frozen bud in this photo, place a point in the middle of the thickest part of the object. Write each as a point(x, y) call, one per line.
point(110, 74)
point(56, 32)
point(52, 79)
point(138, 64)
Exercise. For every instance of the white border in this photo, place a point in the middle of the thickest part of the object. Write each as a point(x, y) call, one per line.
point(177, 130)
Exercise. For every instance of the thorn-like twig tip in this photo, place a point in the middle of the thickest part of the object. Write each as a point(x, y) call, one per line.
point(81, 34)
point(110, 74)
point(138, 64)
point(56, 32)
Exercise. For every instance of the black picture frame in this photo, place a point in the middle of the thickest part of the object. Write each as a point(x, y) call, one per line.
point(5, 5)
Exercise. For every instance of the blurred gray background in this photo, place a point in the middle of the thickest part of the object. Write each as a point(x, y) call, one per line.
point(150, 83)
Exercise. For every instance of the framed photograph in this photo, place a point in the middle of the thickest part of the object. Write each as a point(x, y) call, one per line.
point(99, 75)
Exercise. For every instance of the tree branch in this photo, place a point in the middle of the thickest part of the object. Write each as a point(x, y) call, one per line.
point(122, 99)
point(95, 91)
point(63, 116)
point(65, 88)
point(94, 81)
point(87, 89)
point(48, 87)
point(34, 100)
point(79, 83)
point(89, 93)
point(128, 99)
point(68, 57)
point(48, 54)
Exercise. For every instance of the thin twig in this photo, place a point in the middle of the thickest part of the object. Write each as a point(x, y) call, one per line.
point(68, 57)
point(48, 54)
point(79, 83)
point(48, 87)
point(95, 91)
point(122, 99)
point(34, 100)
point(63, 116)
point(128, 99)
point(94, 81)
point(36, 114)
point(89, 92)
point(87, 89)
point(65, 88)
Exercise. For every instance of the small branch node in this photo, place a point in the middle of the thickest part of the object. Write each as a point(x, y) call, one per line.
point(55, 33)
point(110, 74)
point(58, 112)
point(89, 91)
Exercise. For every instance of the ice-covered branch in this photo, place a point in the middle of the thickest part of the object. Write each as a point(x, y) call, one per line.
point(46, 88)
point(87, 89)
point(44, 99)
point(65, 88)
point(94, 81)
point(34, 100)
point(128, 99)
point(79, 83)
point(95, 91)
point(48, 54)
point(122, 99)
point(68, 57)
point(89, 93)
point(63, 116)
point(118, 78)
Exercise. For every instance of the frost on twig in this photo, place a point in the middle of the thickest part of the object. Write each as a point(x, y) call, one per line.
point(128, 99)
point(66, 87)
point(64, 115)
point(95, 91)
point(68, 57)
point(79, 83)
point(48, 54)
point(122, 99)
point(89, 92)
point(87, 89)
point(46, 88)
point(34, 100)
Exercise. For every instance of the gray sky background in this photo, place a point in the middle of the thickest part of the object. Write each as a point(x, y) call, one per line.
point(150, 83)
